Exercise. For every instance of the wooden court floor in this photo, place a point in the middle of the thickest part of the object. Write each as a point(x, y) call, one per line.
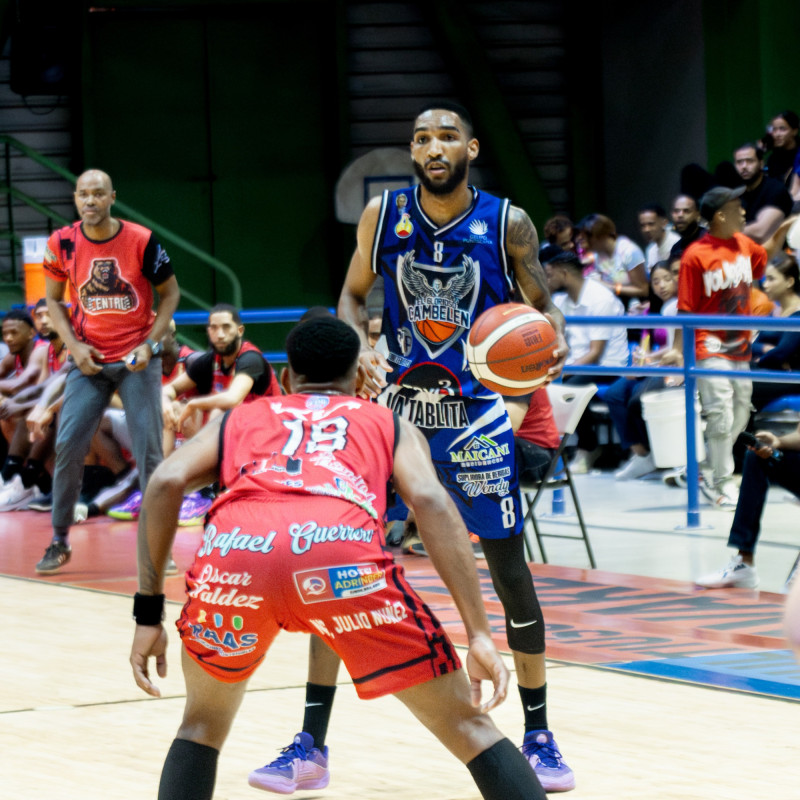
point(74, 725)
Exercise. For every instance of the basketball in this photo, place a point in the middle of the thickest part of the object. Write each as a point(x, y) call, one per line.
point(510, 349)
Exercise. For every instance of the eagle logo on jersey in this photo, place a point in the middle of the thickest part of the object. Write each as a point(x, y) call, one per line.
point(439, 300)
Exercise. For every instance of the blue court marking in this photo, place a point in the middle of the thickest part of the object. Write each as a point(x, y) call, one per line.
point(769, 672)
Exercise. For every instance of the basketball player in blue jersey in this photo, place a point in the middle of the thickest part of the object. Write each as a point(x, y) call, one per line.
point(447, 252)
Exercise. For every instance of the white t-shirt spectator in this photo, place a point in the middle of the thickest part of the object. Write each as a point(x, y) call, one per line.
point(595, 300)
point(660, 252)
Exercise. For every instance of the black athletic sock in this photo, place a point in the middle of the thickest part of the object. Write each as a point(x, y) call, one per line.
point(60, 535)
point(503, 773)
point(32, 473)
point(534, 706)
point(93, 510)
point(319, 704)
point(189, 773)
point(12, 467)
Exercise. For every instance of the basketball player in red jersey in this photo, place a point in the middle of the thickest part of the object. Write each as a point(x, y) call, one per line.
point(306, 478)
point(114, 269)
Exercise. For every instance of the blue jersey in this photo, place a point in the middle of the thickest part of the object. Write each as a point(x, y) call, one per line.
point(437, 281)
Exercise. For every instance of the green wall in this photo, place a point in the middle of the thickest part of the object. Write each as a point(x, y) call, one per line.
point(751, 68)
point(222, 125)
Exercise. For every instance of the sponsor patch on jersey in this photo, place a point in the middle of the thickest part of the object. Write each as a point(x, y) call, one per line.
point(333, 583)
point(480, 450)
point(404, 227)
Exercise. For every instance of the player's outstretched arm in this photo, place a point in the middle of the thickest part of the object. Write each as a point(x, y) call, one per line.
point(522, 244)
point(447, 543)
point(192, 466)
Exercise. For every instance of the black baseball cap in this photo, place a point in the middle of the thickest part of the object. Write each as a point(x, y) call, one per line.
point(713, 200)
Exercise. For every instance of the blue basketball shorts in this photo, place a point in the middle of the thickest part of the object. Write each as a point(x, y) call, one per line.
point(472, 446)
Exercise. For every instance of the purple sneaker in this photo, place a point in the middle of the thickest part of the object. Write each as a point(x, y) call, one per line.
point(193, 509)
point(129, 509)
point(299, 766)
point(541, 750)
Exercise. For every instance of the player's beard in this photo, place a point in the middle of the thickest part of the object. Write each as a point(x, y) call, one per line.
point(459, 170)
point(231, 348)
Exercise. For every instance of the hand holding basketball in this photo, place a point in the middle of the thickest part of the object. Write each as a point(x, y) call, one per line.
point(511, 349)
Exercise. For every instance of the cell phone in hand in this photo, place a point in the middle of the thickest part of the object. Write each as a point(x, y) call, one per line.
point(749, 440)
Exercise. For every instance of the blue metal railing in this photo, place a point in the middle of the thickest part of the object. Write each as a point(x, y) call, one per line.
point(690, 372)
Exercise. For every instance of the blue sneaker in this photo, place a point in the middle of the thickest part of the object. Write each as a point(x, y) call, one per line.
point(542, 752)
point(299, 766)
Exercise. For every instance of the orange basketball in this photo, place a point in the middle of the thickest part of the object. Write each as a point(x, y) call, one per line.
point(510, 349)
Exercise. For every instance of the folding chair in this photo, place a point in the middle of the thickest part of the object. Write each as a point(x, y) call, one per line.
point(569, 402)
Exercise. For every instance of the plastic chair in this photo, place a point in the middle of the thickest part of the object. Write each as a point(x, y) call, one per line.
point(569, 402)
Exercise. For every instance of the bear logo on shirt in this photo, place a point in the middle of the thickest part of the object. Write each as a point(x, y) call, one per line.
point(105, 290)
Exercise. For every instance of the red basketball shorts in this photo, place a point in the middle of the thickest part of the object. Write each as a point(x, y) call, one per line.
point(317, 566)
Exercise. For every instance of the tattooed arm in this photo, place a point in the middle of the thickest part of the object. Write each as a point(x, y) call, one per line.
point(522, 244)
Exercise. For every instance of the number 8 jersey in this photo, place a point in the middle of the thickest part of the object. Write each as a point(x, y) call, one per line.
point(437, 281)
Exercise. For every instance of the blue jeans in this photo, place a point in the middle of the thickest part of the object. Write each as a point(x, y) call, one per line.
point(758, 474)
point(86, 397)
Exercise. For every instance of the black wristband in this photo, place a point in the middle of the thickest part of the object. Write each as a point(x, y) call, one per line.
point(148, 609)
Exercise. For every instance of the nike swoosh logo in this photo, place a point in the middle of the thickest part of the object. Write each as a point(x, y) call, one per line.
point(308, 705)
point(521, 624)
point(535, 708)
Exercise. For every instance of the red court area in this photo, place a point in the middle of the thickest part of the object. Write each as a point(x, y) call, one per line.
point(668, 629)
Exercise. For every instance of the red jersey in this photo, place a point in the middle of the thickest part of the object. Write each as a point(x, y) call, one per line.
point(55, 360)
point(180, 364)
point(539, 425)
point(111, 283)
point(715, 278)
point(309, 444)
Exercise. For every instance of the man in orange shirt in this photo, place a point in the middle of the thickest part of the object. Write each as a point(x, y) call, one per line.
point(717, 272)
point(113, 336)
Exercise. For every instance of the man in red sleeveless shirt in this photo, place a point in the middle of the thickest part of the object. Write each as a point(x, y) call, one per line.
point(230, 372)
point(114, 268)
point(297, 542)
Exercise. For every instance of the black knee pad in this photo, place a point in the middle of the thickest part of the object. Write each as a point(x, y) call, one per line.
point(514, 586)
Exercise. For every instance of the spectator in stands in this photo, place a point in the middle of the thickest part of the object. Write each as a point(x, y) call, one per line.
point(716, 274)
point(782, 140)
point(777, 461)
point(765, 201)
point(606, 346)
point(658, 238)
point(624, 396)
point(618, 262)
point(686, 221)
point(775, 349)
point(559, 231)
